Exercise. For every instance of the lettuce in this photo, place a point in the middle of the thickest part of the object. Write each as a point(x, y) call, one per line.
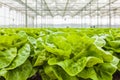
point(59, 54)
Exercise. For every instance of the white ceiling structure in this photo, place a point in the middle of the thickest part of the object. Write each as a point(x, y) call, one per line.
point(65, 7)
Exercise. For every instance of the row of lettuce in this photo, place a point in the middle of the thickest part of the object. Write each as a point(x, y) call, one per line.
point(59, 54)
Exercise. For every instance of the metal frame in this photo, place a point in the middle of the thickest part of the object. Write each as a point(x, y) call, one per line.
point(109, 4)
point(36, 13)
point(46, 9)
point(25, 4)
point(26, 12)
point(13, 8)
point(83, 7)
point(65, 7)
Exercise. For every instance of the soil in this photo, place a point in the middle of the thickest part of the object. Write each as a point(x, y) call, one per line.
point(116, 75)
point(35, 77)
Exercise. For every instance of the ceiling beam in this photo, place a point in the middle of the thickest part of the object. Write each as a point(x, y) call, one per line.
point(104, 13)
point(48, 8)
point(57, 7)
point(24, 4)
point(65, 7)
point(101, 7)
point(16, 9)
point(20, 9)
point(83, 8)
point(107, 11)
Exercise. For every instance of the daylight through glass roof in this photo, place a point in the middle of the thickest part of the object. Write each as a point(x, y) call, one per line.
point(65, 7)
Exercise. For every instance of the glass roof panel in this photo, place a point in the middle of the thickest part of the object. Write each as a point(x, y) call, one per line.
point(62, 7)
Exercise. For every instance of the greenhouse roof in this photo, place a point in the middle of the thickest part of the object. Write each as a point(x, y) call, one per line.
point(65, 7)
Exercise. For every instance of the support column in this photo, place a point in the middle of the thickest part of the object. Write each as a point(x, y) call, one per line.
point(26, 12)
point(33, 24)
point(36, 14)
point(109, 13)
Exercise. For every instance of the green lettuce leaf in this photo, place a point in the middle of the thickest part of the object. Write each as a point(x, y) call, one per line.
point(42, 57)
point(7, 56)
point(43, 75)
point(21, 57)
point(55, 72)
point(91, 61)
point(88, 73)
point(58, 46)
point(20, 73)
point(105, 71)
point(99, 40)
point(100, 53)
point(70, 66)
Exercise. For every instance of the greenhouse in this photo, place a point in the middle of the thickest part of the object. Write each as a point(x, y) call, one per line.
point(59, 13)
point(59, 39)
